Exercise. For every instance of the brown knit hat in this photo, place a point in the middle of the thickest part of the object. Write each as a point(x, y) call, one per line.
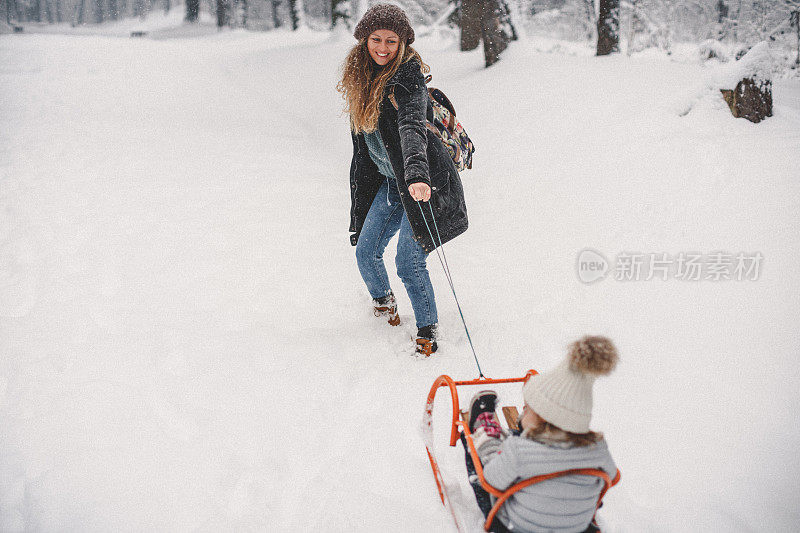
point(385, 17)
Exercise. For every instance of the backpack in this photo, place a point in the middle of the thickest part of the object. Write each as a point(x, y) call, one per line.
point(447, 128)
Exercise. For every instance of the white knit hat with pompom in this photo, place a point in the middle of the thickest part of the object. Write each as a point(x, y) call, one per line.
point(563, 396)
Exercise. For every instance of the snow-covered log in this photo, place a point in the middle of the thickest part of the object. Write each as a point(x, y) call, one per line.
point(751, 99)
point(751, 79)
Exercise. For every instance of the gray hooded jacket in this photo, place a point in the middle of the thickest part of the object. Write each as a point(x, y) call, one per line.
point(565, 504)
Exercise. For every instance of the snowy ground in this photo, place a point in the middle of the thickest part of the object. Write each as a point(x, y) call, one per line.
point(185, 342)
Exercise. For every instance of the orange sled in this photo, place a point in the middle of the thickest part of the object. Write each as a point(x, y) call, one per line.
point(458, 421)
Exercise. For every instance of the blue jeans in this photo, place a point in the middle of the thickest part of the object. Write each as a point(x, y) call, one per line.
point(386, 217)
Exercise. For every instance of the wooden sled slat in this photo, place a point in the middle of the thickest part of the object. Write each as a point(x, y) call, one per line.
point(512, 415)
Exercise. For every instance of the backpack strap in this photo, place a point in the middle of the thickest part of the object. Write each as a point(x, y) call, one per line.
point(440, 97)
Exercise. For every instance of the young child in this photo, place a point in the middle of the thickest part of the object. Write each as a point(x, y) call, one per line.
point(554, 436)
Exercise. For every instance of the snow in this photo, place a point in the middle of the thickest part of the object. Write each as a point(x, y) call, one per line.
point(186, 344)
point(756, 63)
point(713, 49)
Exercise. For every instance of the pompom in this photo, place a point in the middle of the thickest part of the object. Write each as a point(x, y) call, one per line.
point(593, 355)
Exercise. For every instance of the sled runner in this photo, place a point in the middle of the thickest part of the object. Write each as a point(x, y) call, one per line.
point(459, 425)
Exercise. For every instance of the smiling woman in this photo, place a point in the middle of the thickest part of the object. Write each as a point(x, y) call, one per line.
point(398, 164)
point(382, 46)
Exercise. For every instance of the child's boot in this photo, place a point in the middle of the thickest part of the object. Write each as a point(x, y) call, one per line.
point(426, 340)
point(483, 402)
point(387, 306)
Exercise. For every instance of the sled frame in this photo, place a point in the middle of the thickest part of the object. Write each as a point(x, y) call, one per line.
point(458, 422)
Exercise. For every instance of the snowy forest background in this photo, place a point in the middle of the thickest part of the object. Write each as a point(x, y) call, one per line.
point(185, 340)
point(644, 24)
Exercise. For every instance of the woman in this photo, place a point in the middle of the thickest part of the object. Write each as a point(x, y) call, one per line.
point(402, 178)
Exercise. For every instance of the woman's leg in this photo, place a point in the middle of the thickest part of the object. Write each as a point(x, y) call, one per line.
point(382, 222)
point(412, 269)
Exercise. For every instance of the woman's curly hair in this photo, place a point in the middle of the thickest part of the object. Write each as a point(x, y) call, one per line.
point(363, 82)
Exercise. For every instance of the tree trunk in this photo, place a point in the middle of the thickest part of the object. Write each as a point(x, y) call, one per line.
point(238, 15)
point(735, 21)
point(294, 14)
point(722, 11)
point(471, 24)
point(222, 13)
point(192, 10)
point(794, 20)
point(79, 12)
point(633, 20)
point(276, 19)
point(722, 19)
point(608, 28)
point(493, 32)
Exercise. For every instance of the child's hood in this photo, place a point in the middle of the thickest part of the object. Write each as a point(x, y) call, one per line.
point(533, 458)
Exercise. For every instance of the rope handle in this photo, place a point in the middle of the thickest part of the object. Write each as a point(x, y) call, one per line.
point(446, 268)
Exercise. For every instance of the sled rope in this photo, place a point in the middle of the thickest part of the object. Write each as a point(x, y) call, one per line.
point(443, 261)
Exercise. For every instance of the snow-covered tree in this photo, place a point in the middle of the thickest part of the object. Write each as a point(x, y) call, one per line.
point(341, 13)
point(646, 25)
point(222, 13)
point(296, 13)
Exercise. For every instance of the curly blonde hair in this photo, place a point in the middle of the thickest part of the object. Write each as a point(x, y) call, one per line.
point(363, 83)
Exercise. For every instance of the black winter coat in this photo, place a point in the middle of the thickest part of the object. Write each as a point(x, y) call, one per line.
point(416, 155)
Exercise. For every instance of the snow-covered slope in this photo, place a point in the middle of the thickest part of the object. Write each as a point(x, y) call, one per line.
point(185, 342)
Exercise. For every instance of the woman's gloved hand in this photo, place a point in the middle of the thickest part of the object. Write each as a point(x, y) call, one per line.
point(420, 191)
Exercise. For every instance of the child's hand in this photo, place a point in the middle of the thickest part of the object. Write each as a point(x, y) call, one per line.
point(488, 421)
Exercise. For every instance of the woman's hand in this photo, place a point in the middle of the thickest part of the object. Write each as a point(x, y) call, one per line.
point(420, 191)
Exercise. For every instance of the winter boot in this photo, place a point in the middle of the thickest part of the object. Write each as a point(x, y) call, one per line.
point(387, 306)
point(426, 340)
point(483, 402)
